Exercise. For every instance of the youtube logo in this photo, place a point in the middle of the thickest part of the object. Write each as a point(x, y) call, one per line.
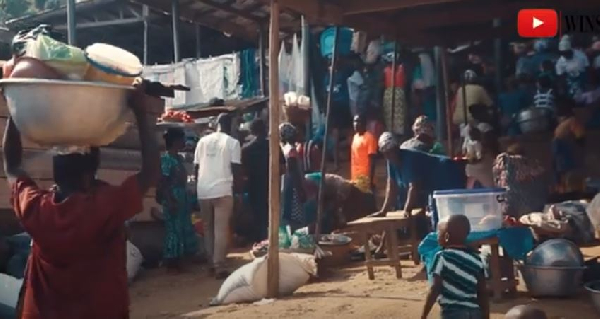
point(537, 23)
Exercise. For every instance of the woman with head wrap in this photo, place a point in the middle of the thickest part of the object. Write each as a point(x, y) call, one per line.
point(293, 195)
point(180, 236)
point(421, 174)
point(474, 93)
point(424, 138)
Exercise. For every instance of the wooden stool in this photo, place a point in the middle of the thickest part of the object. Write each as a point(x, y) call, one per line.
point(374, 225)
point(498, 286)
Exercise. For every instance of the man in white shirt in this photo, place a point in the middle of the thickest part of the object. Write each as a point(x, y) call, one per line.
point(217, 164)
point(571, 67)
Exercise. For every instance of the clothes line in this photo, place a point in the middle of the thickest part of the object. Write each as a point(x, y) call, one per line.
point(216, 77)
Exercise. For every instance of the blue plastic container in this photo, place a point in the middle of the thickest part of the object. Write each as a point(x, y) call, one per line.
point(481, 206)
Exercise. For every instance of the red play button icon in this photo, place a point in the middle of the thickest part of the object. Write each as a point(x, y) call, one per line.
point(537, 23)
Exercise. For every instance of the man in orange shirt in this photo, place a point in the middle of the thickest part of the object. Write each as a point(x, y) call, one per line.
point(362, 155)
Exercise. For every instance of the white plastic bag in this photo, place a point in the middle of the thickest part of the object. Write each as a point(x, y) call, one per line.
point(134, 261)
point(249, 282)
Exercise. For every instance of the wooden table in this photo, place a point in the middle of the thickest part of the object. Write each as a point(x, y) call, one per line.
point(495, 283)
point(390, 224)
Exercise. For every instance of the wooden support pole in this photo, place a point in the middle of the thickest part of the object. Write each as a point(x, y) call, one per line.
point(449, 114)
point(306, 69)
point(305, 55)
point(261, 60)
point(332, 71)
point(439, 94)
point(274, 177)
point(71, 22)
point(394, 70)
point(175, 16)
point(145, 14)
point(464, 98)
point(198, 41)
point(498, 58)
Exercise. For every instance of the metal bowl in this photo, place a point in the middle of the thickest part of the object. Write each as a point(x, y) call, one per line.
point(556, 253)
point(334, 240)
point(534, 120)
point(594, 289)
point(67, 113)
point(552, 281)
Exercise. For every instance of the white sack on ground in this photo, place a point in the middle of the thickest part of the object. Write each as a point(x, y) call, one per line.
point(249, 282)
point(134, 261)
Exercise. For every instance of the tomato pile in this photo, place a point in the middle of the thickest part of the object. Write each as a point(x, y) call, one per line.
point(176, 116)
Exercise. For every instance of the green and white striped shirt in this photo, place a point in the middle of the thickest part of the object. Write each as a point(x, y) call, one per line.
point(460, 270)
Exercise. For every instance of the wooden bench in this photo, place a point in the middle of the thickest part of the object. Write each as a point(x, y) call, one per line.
point(390, 224)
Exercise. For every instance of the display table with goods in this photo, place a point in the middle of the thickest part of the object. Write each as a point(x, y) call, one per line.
point(490, 231)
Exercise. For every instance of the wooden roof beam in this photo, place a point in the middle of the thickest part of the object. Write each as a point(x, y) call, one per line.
point(318, 10)
point(475, 13)
point(222, 25)
point(245, 14)
point(353, 7)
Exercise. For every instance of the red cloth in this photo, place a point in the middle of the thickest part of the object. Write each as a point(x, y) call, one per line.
point(77, 264)
point(400, 79)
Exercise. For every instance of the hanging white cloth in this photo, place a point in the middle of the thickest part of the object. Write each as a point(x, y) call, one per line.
point(354, 84)
point(427, 70)
point(298, 67)
point(284, 70)
point(305, 53)
point(317, 117)
point(168, 74)
point(192, 80)
point(294, 57)
point(216, 77)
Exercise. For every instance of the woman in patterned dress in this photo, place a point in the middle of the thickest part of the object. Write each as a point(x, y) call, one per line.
point(180, 237)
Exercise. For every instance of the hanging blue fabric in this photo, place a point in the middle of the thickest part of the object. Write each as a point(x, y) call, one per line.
point(344, 41)
point(249, 74)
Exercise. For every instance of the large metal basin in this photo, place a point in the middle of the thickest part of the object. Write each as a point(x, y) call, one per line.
point(534, 120)
point(556, 253)
point(67, 113)
point(594, 290)
point(552, 281)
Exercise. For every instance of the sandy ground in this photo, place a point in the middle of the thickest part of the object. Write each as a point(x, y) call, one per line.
point(344, 293)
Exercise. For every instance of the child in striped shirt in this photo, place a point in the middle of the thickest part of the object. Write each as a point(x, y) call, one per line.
point(544, 97)
point(458, 275)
